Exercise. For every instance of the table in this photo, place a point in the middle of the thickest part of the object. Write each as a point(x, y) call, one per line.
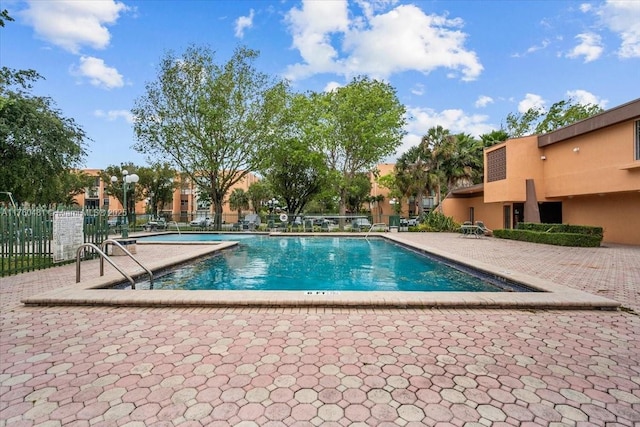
point(471, 230)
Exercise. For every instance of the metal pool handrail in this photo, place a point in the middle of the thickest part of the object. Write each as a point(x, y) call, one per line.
point(177, 227)
point(376, 225)
point(106, 242)
point(102, 256)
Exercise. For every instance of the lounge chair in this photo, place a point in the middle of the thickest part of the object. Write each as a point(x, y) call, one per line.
point(483, 228)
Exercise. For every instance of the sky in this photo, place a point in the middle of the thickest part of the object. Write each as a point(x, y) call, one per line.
point(463, 65)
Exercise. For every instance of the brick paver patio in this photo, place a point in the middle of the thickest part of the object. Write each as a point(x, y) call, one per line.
point(114, 366)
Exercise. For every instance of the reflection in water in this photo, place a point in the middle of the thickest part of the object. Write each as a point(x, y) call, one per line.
point(319, 263)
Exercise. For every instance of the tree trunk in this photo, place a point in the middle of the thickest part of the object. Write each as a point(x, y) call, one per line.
point(217, 218)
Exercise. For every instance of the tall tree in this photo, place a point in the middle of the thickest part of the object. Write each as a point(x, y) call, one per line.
point(564, 113)
point(494, 137)
point(463, 167)
point(297, 170)
point(214, 122)
point(414, 174)
point(438, 146)
point(358, 192)
point(39, 147)
point(357, 126)
point(239, 200)
point(259, 192)
point(157, 184)
point(538, 121)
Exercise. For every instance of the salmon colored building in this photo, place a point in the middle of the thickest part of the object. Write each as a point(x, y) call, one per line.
point(406, 207)
point(587, 173)
point(184, 207)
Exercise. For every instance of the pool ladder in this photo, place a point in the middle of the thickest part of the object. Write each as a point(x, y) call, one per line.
point(177, 227)
point(376, 225)
point(103, 255)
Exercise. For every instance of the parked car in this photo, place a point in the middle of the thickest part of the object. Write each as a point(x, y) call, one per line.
point(360, 224)
point(201, 222)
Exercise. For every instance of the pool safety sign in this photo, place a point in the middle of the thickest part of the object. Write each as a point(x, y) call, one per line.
point(68, 234)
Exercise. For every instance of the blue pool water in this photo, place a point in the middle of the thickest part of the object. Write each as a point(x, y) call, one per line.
point(263, 262)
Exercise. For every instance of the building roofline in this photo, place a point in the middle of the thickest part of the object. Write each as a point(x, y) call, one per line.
point(472, 190)
point(610, 117)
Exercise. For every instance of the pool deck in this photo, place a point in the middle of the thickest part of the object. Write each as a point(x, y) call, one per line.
point(342, 365)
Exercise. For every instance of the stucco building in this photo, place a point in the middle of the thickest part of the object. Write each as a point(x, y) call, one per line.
point(587, 173)
point(184, 207)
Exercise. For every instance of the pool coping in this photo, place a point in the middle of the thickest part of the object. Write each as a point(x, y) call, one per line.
point(98, 291)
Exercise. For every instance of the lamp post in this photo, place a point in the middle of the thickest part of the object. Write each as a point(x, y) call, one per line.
point(272, 205)
point(394, 202)
point(126, 179)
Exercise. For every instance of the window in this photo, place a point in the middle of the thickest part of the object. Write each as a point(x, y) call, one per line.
point(637, 140)
point(497, 164)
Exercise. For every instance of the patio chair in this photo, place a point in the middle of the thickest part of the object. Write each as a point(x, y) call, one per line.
point(483, 229)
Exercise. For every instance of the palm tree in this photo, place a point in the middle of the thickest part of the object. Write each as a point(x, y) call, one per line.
point(239, 200)
point(438, 146)
point(463, 167)
point(414, 174)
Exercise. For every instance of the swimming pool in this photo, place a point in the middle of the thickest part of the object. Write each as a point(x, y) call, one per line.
point(262, 262)
point(196, 237)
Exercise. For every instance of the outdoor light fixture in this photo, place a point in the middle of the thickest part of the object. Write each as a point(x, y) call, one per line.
point(543, 157)
point(126, 179)
point(576, 149)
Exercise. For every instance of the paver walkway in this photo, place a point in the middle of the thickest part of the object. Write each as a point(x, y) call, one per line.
point(106, 366)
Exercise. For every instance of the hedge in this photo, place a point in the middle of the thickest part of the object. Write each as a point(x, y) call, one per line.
point(554, 234)
point(561, 228)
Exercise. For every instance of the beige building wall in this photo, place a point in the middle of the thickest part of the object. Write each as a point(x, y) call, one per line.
point(460, 210)
point(618, 214)
point(523, 162)
point(592, 163)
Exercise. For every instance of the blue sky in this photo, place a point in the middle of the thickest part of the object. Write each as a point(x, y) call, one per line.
point(463, 65)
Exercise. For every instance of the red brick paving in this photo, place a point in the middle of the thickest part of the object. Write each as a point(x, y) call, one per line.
point(114, 366)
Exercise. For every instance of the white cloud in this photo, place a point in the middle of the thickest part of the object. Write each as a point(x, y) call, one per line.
point(418, 89)
point(331, 86)
point(543, 45)
point(590, 47)
point(420, 120)
point(483, 101)
point(72, 24)
point(584, 97)
point(377, 44)
point(456, 120)
point(243, 23)
point(98, 73)
point(531, 101)
point(113, 115)
point(623, 18)
point(585, 7)
point(312, 27)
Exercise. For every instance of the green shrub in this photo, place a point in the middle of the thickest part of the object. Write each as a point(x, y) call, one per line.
point(561, 228)
point(436, 221)
point(557, 238)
